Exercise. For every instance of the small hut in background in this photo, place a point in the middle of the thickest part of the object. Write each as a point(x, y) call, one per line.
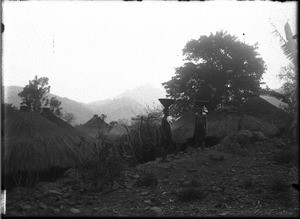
point(32, 144)
point(93, 126)
point(84, 142)
point(266, 111)
point(223, 122)
point(220, 123)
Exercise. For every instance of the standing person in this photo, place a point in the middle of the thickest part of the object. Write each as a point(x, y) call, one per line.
point(166, 134)
point(200, 128)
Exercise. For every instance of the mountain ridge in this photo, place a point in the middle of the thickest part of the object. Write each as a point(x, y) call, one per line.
point(127, 104)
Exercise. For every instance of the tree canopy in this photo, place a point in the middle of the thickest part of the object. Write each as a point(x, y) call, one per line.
point(35, 93)
point(220, 69)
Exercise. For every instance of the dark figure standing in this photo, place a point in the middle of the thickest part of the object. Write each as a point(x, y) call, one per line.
point(200, 128)
point(166, 135)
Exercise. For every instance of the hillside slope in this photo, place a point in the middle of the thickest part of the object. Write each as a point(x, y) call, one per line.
point(80, 110)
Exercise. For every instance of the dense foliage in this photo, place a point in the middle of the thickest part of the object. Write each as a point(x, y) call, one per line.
point(220, 69)
point(35, 93)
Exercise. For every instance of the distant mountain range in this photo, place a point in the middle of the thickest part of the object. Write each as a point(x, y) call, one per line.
point(124, 106)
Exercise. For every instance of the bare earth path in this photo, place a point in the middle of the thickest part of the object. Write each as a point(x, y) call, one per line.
point(234, 185)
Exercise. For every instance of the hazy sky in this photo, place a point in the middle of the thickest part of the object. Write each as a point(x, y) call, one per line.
point(96, 50)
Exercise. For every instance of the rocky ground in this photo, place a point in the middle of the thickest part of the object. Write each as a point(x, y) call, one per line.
point(208, 182)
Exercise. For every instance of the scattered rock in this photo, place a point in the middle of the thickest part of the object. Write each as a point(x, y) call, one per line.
point(157, 210)
point(73, 174)
point(43, 206)
point(148, 201)
point(168, 159)
point(145, 193)
point(75, 211)
point(53, 193)
point(136, 176)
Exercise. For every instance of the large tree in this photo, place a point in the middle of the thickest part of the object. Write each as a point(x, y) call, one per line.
point(220, 69)
point(35, 93)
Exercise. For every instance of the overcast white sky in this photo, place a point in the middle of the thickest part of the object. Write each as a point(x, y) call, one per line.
point(96, 50)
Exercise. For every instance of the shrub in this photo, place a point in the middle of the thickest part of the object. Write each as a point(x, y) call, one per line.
point(149, 179)
point(144, 135)
point(190, 194)
point(105, 164)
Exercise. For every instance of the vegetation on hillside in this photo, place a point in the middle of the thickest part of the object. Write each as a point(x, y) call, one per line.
point(220, 69)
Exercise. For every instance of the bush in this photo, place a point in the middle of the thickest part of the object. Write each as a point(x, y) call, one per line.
point(104, 166)
point(149, 179)
point(190, 194)
point(144, 136)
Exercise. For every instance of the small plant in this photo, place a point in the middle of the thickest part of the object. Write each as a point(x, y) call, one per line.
point(190, 194)
point(149, 179)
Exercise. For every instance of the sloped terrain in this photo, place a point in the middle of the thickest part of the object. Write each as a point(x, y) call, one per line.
point(193, 183)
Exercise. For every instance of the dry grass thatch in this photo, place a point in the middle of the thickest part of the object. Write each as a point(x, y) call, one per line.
point(78, 135)
point(93, 126)
point(219, 124)
point(262, 109)
point(33, 143)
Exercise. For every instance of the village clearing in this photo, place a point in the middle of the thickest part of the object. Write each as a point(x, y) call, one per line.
point(208, 182)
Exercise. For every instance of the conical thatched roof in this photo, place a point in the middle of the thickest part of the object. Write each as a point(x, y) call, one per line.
point(219, 124)
point(78, 135)
point(33, 143)
point(92, 126)
point(262, 109)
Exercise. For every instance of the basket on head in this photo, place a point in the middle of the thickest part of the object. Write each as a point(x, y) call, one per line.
point(166, 102)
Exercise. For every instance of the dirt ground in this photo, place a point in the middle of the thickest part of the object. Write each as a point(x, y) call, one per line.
point(193, 183)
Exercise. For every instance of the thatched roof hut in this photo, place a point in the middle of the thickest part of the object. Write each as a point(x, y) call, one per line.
point(219, 124)
point(93, 126)
point(33, 143)
point(79, 136)
point(266, 111)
